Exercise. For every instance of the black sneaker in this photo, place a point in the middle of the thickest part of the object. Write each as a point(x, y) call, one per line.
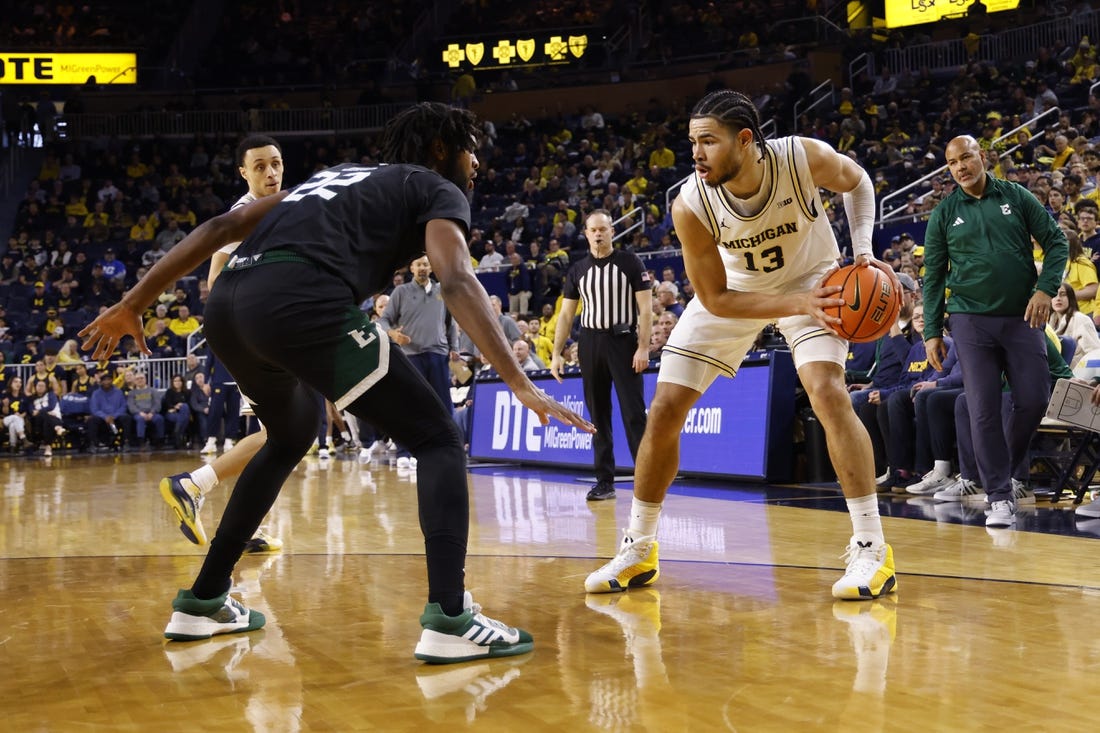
point(602, 490)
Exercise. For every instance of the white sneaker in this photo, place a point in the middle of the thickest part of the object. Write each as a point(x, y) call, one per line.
point(635, 564)
point(365, 454)
point(1090, 510)
point(1021, 494)
point(378, 446)
point(930, 484)
point(406, 463)
point(194, 619)
point(470, 635)
point(323, 453)
point(961, 490)
point(227, 445)
point(880, 481)
point(869, 573)
point(211, 445)
point(1001, 514)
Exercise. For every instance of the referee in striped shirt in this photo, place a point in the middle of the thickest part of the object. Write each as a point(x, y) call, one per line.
point(616, 292)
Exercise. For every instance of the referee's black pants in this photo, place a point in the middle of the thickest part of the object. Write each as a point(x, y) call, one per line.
point(607, 359)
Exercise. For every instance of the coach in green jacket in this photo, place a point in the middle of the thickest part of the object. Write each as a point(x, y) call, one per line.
point(978, 245)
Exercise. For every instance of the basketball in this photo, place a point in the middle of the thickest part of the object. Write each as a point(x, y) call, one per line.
point(872, 300)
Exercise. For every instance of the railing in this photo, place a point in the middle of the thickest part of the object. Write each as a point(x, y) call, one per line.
point(939, 55)
point(158, 371)
point(865, 62)
point(624, 220)
point(769, 129)
point(1015, 43)
point(670, 193)
point(884, 215)
point(10, 159)
point(819, 95)
point(824, 30)
point(283, 122)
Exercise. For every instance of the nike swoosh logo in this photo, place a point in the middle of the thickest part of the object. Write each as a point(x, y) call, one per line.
point(854, 305)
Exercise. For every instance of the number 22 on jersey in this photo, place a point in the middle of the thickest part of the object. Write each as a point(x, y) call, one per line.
point(322, 183)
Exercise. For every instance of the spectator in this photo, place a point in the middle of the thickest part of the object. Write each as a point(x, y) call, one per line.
point(527, 361)
point(170, 236)
point(1067, 320)
point(13, 407)
point(1081, 273)
point(144, 405)
point(114, 271)
point(492, 258)
point(177, 410)
point(184, 324)
point(199, 401)
point(667, 294)
point(110, 418)
point(45, 418)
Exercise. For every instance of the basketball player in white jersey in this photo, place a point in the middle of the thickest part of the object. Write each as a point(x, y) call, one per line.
point(260, 163)
point(756, 245)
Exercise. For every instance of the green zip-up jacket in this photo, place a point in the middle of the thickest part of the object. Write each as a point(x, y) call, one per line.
point(981, 249)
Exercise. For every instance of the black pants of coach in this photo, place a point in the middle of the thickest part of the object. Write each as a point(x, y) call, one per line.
point(608, 360)
point(283, 332)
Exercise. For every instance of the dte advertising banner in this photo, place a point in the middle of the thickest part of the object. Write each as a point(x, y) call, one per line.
point(740, 427)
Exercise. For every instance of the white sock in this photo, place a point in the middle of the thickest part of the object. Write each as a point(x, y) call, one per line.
point(205, 478)
point(865, 519)
point(943, 468)
point(643, 518)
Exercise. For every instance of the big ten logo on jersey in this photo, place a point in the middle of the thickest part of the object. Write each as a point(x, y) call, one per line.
point(323, 182)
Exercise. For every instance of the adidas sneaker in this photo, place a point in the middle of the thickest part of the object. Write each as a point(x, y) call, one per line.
point(194, 619)
point(467, 636)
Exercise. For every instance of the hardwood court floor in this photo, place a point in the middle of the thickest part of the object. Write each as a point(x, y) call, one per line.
point(739, 634)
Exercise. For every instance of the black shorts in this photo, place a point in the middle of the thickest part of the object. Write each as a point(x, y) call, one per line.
point(275, 323)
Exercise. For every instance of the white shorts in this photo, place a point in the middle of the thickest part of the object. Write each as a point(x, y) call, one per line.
point(703, 346)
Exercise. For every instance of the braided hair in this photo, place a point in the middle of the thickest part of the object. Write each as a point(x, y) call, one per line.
point(734, 110)
point(409, 135)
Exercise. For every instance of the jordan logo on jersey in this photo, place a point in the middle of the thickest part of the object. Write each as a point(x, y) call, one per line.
point(763, 236)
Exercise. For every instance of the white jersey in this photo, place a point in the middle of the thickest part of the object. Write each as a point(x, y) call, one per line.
point(779, 244)
point(246, 199)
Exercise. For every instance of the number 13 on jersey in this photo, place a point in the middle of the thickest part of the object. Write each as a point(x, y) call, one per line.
point(766, 260)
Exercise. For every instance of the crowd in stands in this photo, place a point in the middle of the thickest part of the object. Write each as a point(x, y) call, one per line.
point(97, 217)
point(117, 24)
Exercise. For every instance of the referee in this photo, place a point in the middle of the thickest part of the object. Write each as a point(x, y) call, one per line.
point(616, 293)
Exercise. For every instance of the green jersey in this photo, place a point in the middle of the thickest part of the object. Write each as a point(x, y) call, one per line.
point(981, 249)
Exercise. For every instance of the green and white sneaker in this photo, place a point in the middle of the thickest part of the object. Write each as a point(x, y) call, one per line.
point(470, 635)
point(194, 619)
point(182, 494)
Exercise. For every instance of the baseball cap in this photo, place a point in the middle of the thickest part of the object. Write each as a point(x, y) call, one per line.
point(40, 284)
point(907, 281)
point(918, 251)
